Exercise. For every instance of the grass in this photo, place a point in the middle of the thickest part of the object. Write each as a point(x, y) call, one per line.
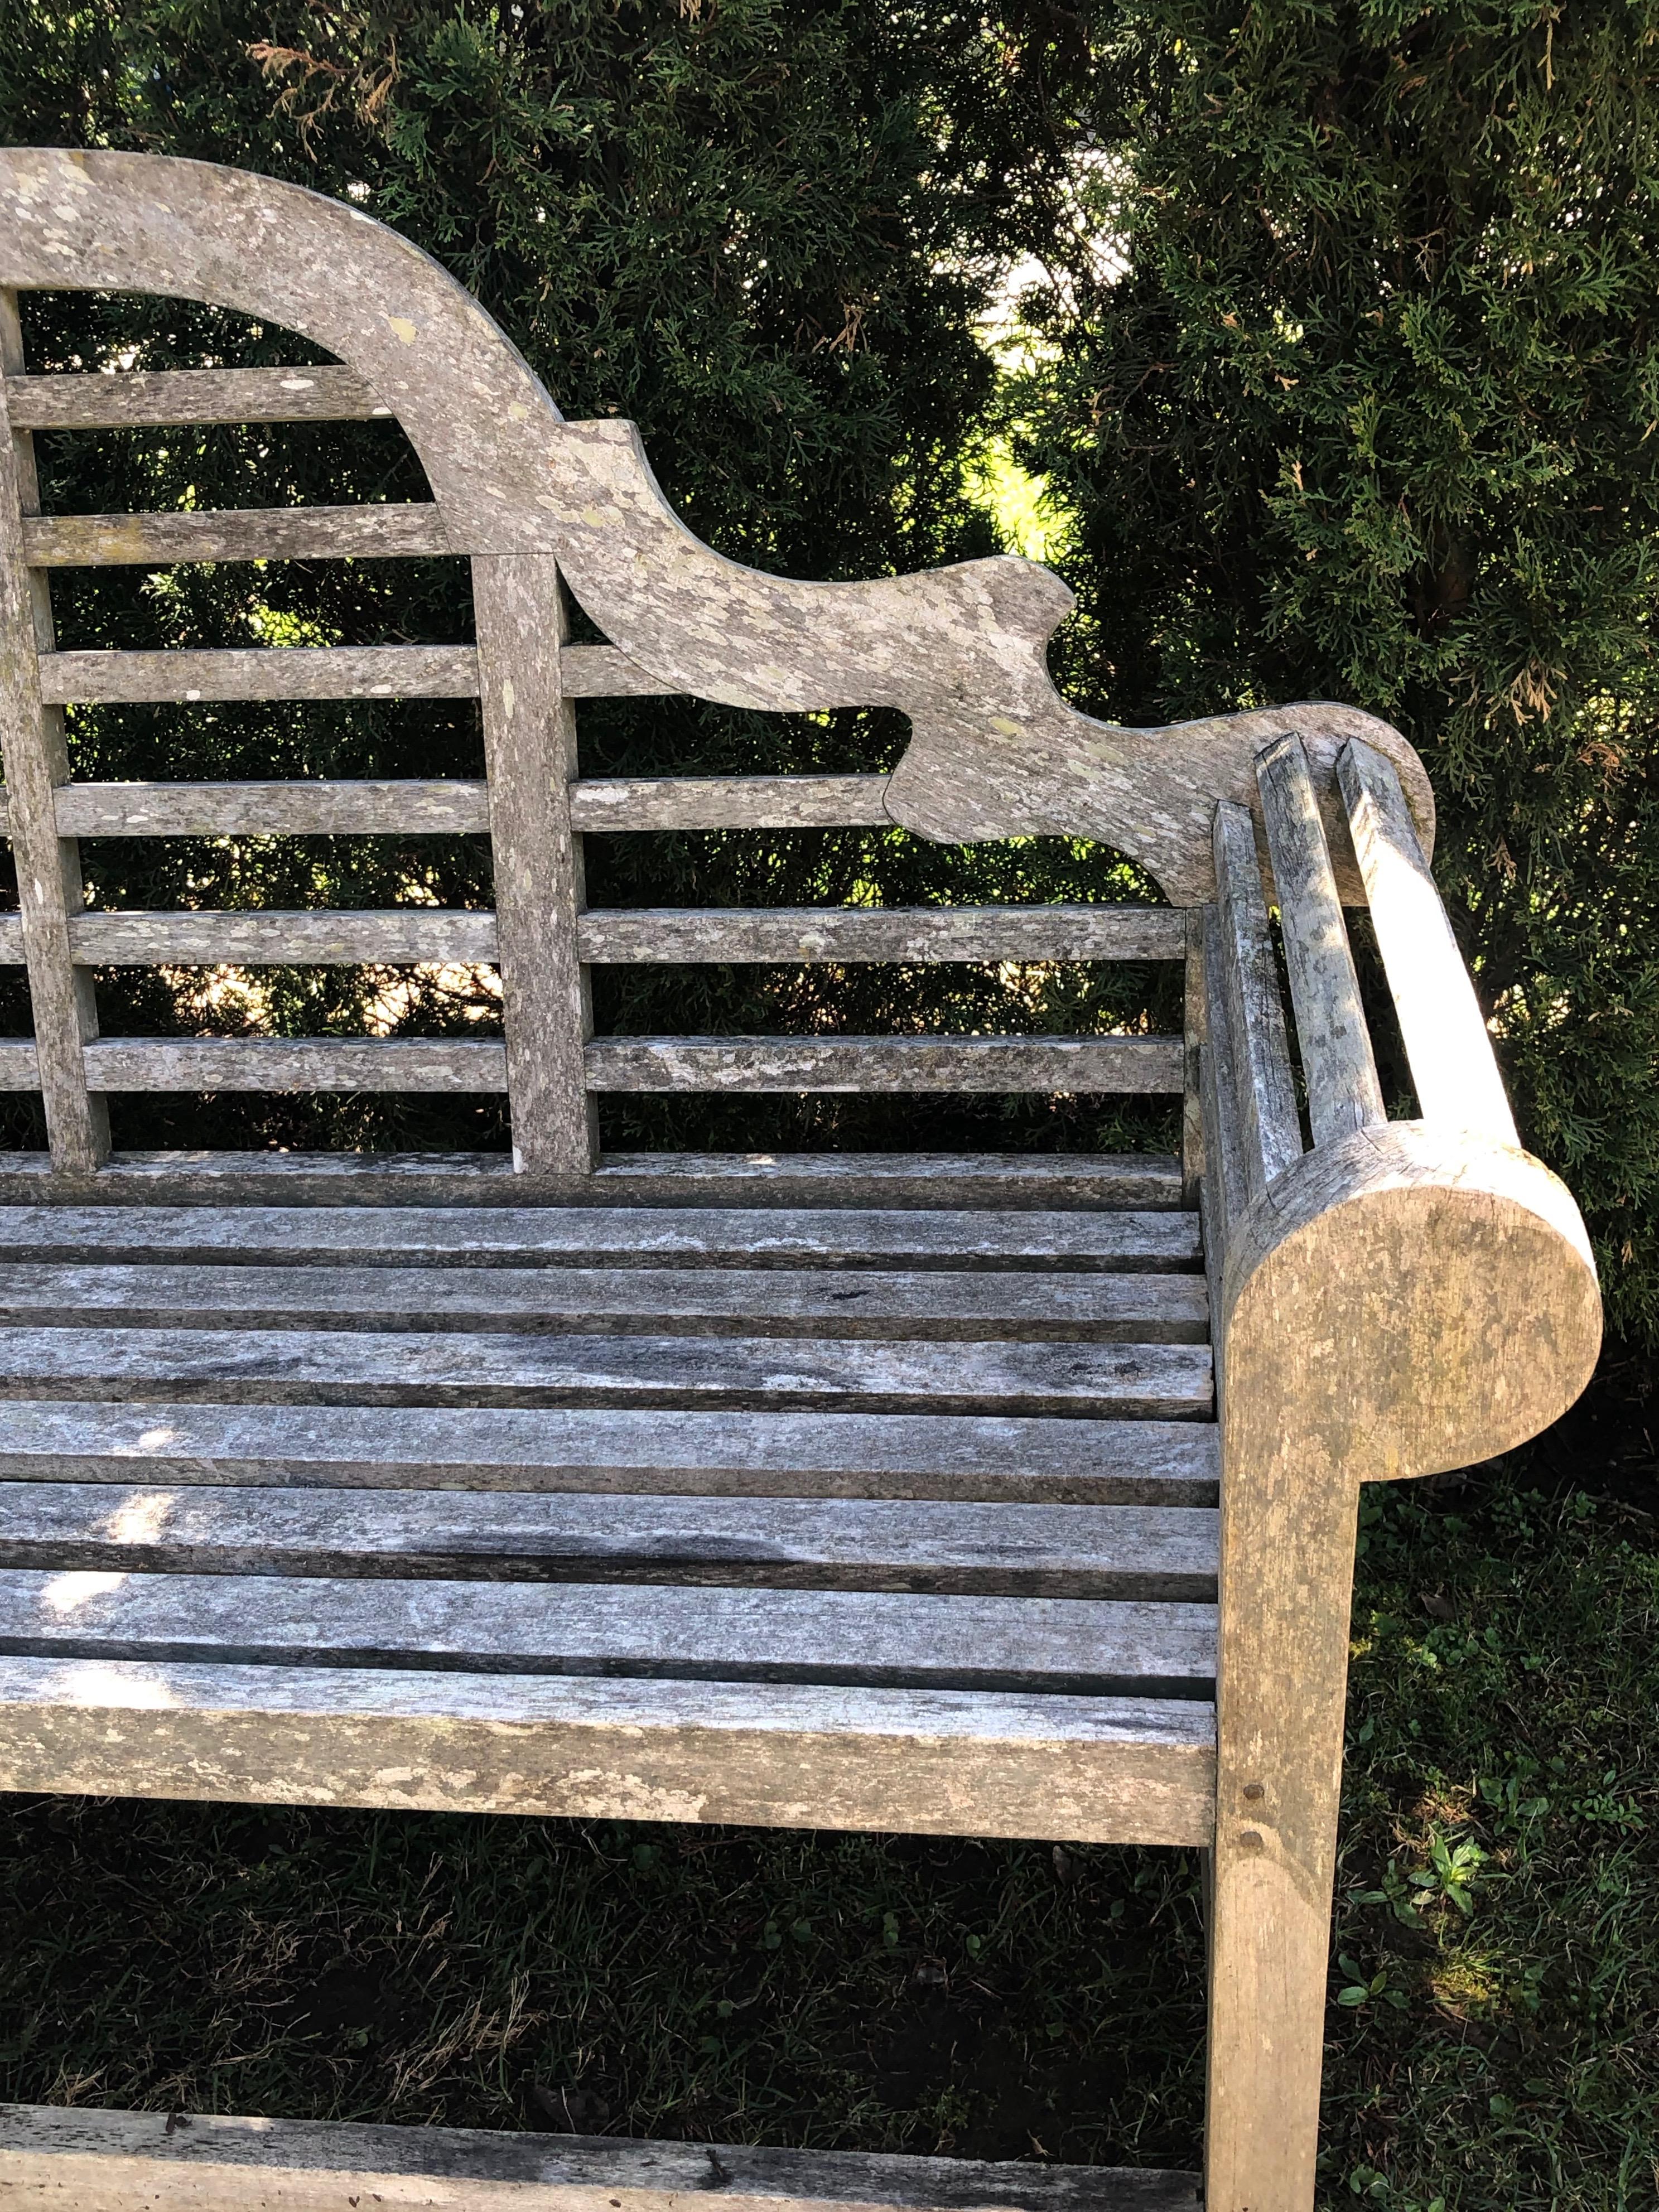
point(1496, 1963)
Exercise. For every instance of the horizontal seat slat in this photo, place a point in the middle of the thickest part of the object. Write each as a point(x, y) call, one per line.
point(870, 1640)
point(1147, 1553)
point(269, 2162)
point(382, 531)
point(1110, 1064)
point(920, 933)
point(165, 398)
point(369, 1367)
point(933, 1305)
point(601, 1236)
point(320, 671)
point(859, 1455)
point(19, 1068)
point(939, 1181)
point(938, 1762)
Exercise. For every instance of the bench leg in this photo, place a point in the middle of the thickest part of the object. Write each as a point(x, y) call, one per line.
point(1286, 1585)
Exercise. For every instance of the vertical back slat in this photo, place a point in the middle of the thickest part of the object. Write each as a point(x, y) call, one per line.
point(1337, 1062)
point(530, 751)
point(49, 883)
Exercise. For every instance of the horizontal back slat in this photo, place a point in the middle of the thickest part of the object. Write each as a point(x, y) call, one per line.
point(302, 672)
point(162, 399)
point(1112, 1064)
point(786, 935)
point(447, 808)
point(281, 533)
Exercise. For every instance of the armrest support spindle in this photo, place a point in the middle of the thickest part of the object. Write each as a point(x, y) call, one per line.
point(1440, 1023)
point(1270, 1131)
point(1337, 1061)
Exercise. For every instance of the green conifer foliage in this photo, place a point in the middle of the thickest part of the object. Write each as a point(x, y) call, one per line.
point(1355, 395)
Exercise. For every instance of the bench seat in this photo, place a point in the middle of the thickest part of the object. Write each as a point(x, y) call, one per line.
point(838, 1514)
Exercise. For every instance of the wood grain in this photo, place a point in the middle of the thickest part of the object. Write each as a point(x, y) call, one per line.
point(1453, 1070)
point(725, 802)
point(1156, 1381)
point(683, 1236)
point(283, 533)
point(931, 1304)
point(1270, 1130)
point(1337, 1062)
point(907, 934)
point(1000, 1458)
point(1143, 1552)
point(1082, 1647)
point(296, 1064)
point(272, 671)
point(139, 398)
point(401, 809)
point(1003, 1182)
point(50, 885)
point(530, 749)
point(1129, 1769)
point(909, 1063)
point(401, 934)
point(105, 2161)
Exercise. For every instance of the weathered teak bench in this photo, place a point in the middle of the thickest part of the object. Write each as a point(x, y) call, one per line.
point(850, 1492)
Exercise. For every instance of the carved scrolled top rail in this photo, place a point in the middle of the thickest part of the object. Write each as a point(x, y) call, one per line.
point(1403, 1297)
point(994, 751)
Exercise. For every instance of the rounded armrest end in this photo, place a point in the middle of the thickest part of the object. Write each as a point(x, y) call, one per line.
point(1409, 1299)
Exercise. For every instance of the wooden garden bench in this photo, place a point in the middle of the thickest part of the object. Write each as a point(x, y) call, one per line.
point(856, 1492)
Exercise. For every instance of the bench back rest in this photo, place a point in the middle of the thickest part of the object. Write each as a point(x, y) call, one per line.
point(534, 502)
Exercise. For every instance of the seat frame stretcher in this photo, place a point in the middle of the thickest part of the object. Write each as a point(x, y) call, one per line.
point(960, 1495)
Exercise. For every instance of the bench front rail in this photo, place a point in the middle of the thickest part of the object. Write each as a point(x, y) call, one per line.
point(960, 1494)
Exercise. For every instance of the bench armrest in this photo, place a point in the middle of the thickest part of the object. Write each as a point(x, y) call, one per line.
point(1406, 1297)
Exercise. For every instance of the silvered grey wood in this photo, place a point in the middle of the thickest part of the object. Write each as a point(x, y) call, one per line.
point(1005, 1182)
point(530, 750)
point(868, 1639)
point(994, 751)
point(810, 934)
point(1271, 1132)
point(1158, 1382)
point(1338, 1067)
point(298, 809)
point(281, 533)
point(727, 802)
point(253, 938)
point(58, 2149)
point(19, 1069)
point(135, 399)
point(1141, 1307)
point(296, 1064)
point(1003, 1458)
point(942, 1762)
point(50, 885)
point(817, 934)
point(602, 1235)
point(907, 1063)
point(323, 671)
point(1144, 1553)
point(1453, 1070)
point(272, 671)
